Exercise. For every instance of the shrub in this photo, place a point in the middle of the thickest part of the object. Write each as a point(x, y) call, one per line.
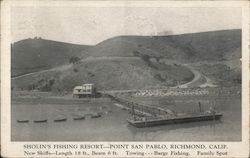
point(158, 77)
point(75, 70)
point(136, 53)
point(145, 57)
point(74, 60)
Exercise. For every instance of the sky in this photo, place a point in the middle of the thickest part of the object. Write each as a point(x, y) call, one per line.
point(90, 26)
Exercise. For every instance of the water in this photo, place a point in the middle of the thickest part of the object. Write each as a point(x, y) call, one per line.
point(112, 125)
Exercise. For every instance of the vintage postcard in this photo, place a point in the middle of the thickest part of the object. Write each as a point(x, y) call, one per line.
point(125, 78)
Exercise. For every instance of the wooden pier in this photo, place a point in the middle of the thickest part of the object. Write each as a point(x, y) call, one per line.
point(141, 109)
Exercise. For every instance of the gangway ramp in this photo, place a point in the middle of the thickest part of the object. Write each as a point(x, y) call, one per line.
point(140, 108)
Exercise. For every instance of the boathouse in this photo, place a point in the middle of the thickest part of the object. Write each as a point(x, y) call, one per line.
point(86, 90)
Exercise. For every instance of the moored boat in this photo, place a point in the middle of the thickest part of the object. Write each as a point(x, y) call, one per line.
point(96, 115)
point(40, 121)
point(79, 118)
point(60, 120)
point(22, 121)
point(175, 119)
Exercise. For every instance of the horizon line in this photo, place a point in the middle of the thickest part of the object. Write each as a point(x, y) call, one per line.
point(40, 38)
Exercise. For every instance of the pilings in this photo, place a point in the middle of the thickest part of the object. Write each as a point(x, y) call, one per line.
point(140, 108)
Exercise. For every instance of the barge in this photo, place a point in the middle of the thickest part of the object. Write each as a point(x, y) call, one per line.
point(148, 122)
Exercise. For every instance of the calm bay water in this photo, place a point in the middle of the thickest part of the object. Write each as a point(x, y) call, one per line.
point(112, 125)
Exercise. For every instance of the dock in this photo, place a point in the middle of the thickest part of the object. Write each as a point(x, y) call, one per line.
point(140, 109)
point(147, 116)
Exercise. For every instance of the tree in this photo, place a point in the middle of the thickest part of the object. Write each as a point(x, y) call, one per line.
point(145, 57)
point(136, 53)
point(74, 60)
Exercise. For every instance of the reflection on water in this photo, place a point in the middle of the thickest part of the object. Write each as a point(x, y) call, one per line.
point(112, 125)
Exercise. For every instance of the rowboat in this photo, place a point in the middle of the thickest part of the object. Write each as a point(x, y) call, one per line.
point(40, 121)
point(79, 118)
point(60, 120)
point(96, 115)
point(22, 121)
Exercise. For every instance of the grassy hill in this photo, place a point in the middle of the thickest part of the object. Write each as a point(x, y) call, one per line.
point(206, 46)
point(109, 74)
point(130, 62)
point(31, 55)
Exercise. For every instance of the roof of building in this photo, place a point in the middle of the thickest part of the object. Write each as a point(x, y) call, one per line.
point(83, 86)
point(88, 84)
point(78, 87)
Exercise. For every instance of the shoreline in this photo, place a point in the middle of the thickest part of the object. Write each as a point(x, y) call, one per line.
point(19, 97)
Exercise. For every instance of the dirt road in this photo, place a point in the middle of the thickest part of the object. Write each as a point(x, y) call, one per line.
point(67, 66)
point(58, 68)
point(199, 79)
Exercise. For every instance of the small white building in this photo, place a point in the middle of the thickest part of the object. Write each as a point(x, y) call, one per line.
point(86, 90)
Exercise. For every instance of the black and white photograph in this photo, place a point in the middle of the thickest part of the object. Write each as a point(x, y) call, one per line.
point(127, 72)
point(139, 74)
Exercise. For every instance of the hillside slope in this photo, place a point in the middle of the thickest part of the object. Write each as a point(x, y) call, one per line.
point(108, 74)
point(206, 46)
point(135, 62)
point(31, 55)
